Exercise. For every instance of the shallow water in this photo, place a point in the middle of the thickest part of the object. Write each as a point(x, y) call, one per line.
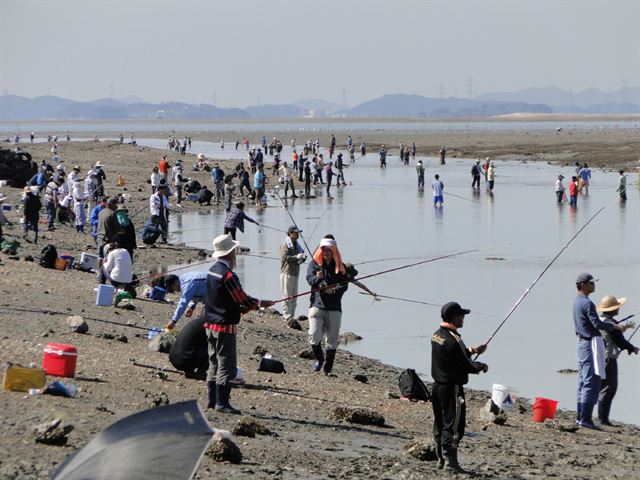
point(518, 230)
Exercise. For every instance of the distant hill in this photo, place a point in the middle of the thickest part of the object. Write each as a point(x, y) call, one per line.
point(402, 105)
point(319, 107)
point(275, 111)
point(571, 101)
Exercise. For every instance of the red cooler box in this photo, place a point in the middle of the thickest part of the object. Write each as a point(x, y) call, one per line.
point(60, 360)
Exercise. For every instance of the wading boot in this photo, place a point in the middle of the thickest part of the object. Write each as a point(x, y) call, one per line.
point(211, 394)
point(222, 400)
point(319, 356)
point(586, 410)
point(439, 454)
point(451, 461)
point(328, 363)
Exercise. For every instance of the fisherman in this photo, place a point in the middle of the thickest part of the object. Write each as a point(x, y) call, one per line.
point(159, 206)
point(438, 191)
point(229, 188)
point(31, 212)
point(614, 343)
point(476, 172)
point(590, 349)
point(329, 280)
point(3, 219)
point(117, 268)
point(93, 217)
point(328, 175)
point(622, 186)
point(443, 153)
point(204, 196)
point(491, 177)
point(451, 365)
point(287, 175)
point(217, 176)
point(243, 175)
point(420, 173)
point(573, 192)
point(258, 184)
point(108, 226)
point(235, 220)
point(584, 176)
point(340, 169)
point(225, 301)
point(51, 201)
point(307, 179)
point(151, 231)
point(163, 167)
point(189, 352)
point(178, 180)
point(383, 157)
point(559, 189)
point(363, 149)
point(291, 257)
point(192, 287)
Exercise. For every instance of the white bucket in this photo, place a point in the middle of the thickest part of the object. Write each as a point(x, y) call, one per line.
point(503, 396)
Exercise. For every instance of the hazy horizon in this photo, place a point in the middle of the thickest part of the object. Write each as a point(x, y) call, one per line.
point(242, 53)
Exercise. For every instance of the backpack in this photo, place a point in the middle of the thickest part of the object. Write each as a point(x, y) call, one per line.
point(48, 256)
point(10, 248)
point(412, 387)
point(271, 365)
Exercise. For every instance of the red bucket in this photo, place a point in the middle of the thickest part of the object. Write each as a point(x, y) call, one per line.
point(544, 408)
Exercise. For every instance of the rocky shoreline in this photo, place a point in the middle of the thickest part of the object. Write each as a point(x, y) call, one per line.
point(309, 437)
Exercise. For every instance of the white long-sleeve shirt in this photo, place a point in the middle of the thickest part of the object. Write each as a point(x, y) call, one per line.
point(154, 203)
point(118, 266)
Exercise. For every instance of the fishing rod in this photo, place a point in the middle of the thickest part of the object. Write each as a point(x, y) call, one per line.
point(418, 301)
point(318, 222)
point(526, 292)
point(634, 332)
point(461, 197)
point(276, 190)
point(374, 275)
point(179, 232)
point(628, 317)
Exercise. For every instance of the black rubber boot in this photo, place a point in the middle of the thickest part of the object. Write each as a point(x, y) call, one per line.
point(451, 461)
point(319, 356)
point(328, 363)
point(439, 454)
point(211, 394)
point(586, 410)
point(222, 403)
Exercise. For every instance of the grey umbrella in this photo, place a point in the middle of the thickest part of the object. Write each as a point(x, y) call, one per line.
point(164, 442)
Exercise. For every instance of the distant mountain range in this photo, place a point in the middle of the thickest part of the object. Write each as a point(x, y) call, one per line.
point(530, 100)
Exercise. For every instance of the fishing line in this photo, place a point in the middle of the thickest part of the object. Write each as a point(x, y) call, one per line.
point(420, 302)
point(526, 292)
point(634, 332)
point(461, 197)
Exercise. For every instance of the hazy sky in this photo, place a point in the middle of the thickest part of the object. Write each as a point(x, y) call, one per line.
point(279, 51)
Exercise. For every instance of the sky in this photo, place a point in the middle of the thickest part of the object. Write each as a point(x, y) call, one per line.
point(241, 53)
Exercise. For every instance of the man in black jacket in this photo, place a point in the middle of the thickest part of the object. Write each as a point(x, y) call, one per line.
point(451, 365)
point(189, 352)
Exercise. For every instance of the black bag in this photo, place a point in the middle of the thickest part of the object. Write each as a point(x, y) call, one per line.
point(412, 387)
point(48, 256)
point(271, 365)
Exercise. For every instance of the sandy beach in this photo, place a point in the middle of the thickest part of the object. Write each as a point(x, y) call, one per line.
point(296, 406)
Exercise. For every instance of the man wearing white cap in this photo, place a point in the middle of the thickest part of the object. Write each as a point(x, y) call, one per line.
point(590, 349)
point(225, 301)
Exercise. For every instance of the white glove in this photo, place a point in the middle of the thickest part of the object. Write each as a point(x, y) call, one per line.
point(300, 256)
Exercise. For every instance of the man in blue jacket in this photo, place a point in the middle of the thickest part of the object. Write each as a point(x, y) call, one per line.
point(192, 287)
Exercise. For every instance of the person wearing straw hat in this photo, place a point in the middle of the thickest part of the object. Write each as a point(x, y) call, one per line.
point(225, 301)
point(614, 342)
point(590, 350)
point(451, 365)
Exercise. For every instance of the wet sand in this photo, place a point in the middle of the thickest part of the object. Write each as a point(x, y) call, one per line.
point(296, 405)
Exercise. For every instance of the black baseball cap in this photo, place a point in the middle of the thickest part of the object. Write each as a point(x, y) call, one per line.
point(451, 309)
point(293, 228)
point(584, 278)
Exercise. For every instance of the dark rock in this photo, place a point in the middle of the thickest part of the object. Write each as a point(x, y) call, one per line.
point(28, 258)
point(361, 416)
point(248, 427)
point(158, 399)
point(122, 338)
point(303, 318)
point(272, 311)
point(306, 354)
point(562, 427)
point(491, 413)
point(223, 450)
point(52, 433)
point(106, 336)
point(293, 323)
point(393, 395)
point(203, 254)
point(77, 324)
point(421, 448)
point(347, 337)
point(360, 378)
point(260, 350)
point(162, 342)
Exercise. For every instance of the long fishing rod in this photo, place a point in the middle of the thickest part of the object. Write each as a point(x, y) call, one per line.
point(634, 332)
point(179, 232)
point(628, 317)
point(526, 292)
point(276, 190)
point(419, 302)
point(374, 275)
point(318, 222)
point(461, 197)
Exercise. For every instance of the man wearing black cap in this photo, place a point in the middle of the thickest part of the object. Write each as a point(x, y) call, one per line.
point(291, 257)
point(451, 365)
point(590, 348)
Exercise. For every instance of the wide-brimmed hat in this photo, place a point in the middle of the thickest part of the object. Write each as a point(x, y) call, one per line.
point(26, 189)
point(77, 168)
point(201, 156)
point(223, 245)
point(611, 303)
point(98, 164)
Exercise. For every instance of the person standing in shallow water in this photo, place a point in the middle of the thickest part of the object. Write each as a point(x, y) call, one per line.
point(573, 192)
point(622, 186)
point(451, 365)
point(420, 173)
point(438, 191)
point(559, 189)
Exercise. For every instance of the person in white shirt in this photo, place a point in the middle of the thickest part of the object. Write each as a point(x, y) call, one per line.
point(559, 188)
point(438, 191)
point(155, 179)
point(159, 207)
point(77, 192)
point(117, 267)
point(287, 175)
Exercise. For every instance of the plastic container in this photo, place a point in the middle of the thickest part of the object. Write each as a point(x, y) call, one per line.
point(60, 360)
point(104, 297)
point(503, 397)
point(193, 197)
point(7, 207)
point(544, 408)
point(60, 264)
point(70, 259)
point(89, 261)
point(153, 332)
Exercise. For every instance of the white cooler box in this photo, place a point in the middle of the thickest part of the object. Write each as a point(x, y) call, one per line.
point(89, 261)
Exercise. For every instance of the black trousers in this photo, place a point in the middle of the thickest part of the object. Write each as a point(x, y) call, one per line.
point(231, 231)
point(449, 415)
point(608, 389)
point(476, 181)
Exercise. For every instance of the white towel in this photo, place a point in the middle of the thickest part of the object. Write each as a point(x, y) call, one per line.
point(597, 348)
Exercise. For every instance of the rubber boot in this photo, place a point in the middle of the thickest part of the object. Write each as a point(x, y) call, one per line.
point(211, 394)
point(586, 410)
point(328, 363)
point(578, 413)
point(319, 356)
point(439, 454)
point(451, 461)
point(603, 414)
point(222, 400)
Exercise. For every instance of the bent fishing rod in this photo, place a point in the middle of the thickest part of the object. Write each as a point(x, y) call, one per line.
point(526, 292)
point(326, 287)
